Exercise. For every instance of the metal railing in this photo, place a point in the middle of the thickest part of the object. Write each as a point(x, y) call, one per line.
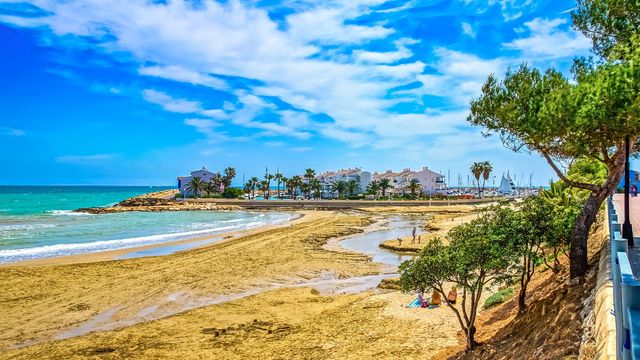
point(626, 291)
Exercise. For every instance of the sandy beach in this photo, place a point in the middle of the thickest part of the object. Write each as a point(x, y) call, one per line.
point(277, 292)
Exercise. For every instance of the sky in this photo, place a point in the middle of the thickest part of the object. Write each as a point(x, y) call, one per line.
point(133, 92)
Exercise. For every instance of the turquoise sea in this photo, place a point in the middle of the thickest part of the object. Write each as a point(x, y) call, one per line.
point(38, 221)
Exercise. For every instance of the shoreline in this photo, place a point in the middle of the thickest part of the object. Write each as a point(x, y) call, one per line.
point(117, 255)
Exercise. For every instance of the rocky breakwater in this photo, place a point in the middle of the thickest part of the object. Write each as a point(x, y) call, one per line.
point(157, 204)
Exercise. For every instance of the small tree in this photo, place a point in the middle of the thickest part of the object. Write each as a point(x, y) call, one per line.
point(474, 258)
point(373, 188)
point(229, 175)
point(384, 184)
point(340, 187)
point(413, 186)
point(487, 168)
point(195, 185)
point(255, 183)
point(278, 177)
point(353, 187)
point(476, 169)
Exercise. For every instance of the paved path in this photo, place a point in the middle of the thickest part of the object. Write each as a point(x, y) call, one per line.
point(634, 205)
point(634, 217)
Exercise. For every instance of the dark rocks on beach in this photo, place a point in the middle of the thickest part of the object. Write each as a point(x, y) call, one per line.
point(155, 204)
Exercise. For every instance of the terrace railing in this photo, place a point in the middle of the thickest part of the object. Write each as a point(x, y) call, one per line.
point(626, 290)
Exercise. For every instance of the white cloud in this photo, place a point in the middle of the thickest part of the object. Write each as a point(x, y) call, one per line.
point(12, 132)
point(327, 26)
point(169, 103)
point(84, 159)
point(202, 45)
point(512, 9)
point(184, 75)
point(548, 41)
point(459, 76)
point(468, 29)
point(182, 106)
point(374, 57)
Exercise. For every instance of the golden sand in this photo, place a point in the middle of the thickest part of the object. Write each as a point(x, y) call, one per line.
point(246, 290)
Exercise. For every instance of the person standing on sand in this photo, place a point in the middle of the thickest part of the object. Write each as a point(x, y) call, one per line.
point(413, 241)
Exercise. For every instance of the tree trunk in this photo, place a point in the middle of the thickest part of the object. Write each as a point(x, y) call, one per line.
point(522, 306)
point(580, 236)
point(471, 338)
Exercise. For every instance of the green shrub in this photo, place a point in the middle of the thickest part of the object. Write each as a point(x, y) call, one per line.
point(178, 196)
point(232, 193)
point(498, 298)
point(356, 197)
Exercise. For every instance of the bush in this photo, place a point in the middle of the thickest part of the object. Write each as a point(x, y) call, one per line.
point(232, 193)
point(178, 196)
point(498, 298)
point(355, 197)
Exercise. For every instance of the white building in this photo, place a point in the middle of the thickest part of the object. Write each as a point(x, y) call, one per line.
point(183, 181)
point(328, 178)
point(430, 181)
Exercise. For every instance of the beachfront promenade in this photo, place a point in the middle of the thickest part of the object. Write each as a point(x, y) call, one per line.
point(634, 215)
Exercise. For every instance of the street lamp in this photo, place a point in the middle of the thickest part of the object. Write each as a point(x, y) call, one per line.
point(627, 229)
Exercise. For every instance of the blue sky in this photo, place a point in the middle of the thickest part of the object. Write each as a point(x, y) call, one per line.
point(139, 92)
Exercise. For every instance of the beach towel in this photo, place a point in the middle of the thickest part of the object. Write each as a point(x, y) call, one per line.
point(415, 303)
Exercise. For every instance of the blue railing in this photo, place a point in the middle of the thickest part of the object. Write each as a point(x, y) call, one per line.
point(626, 292)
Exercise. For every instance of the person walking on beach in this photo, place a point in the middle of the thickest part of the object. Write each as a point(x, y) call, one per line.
point(413, 241)
point(634, 190)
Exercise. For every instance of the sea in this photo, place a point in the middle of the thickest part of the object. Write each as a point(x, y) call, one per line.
point(39, 221)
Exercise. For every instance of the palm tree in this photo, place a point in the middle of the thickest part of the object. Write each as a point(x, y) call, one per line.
point(295, 183)
point(267, 178)
point(264, 187)
point(477, 169)
point(229, 174)
point(209, 187)
point(309, 174)
point(340, 187)
point(487, 168)
point(195, 185)
point(217, 180)
point(315, 186)
point(254, 184)
point(278, 177)
point(353, 187)
point(384, 184)
point(373, 188)
point(413, 187)
point(285, 183)
point(248, 188)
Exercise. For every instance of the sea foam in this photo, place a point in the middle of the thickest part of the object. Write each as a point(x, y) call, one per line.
point(12, 255)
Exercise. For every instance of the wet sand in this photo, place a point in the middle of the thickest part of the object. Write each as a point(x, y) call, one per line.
point(154, 249)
